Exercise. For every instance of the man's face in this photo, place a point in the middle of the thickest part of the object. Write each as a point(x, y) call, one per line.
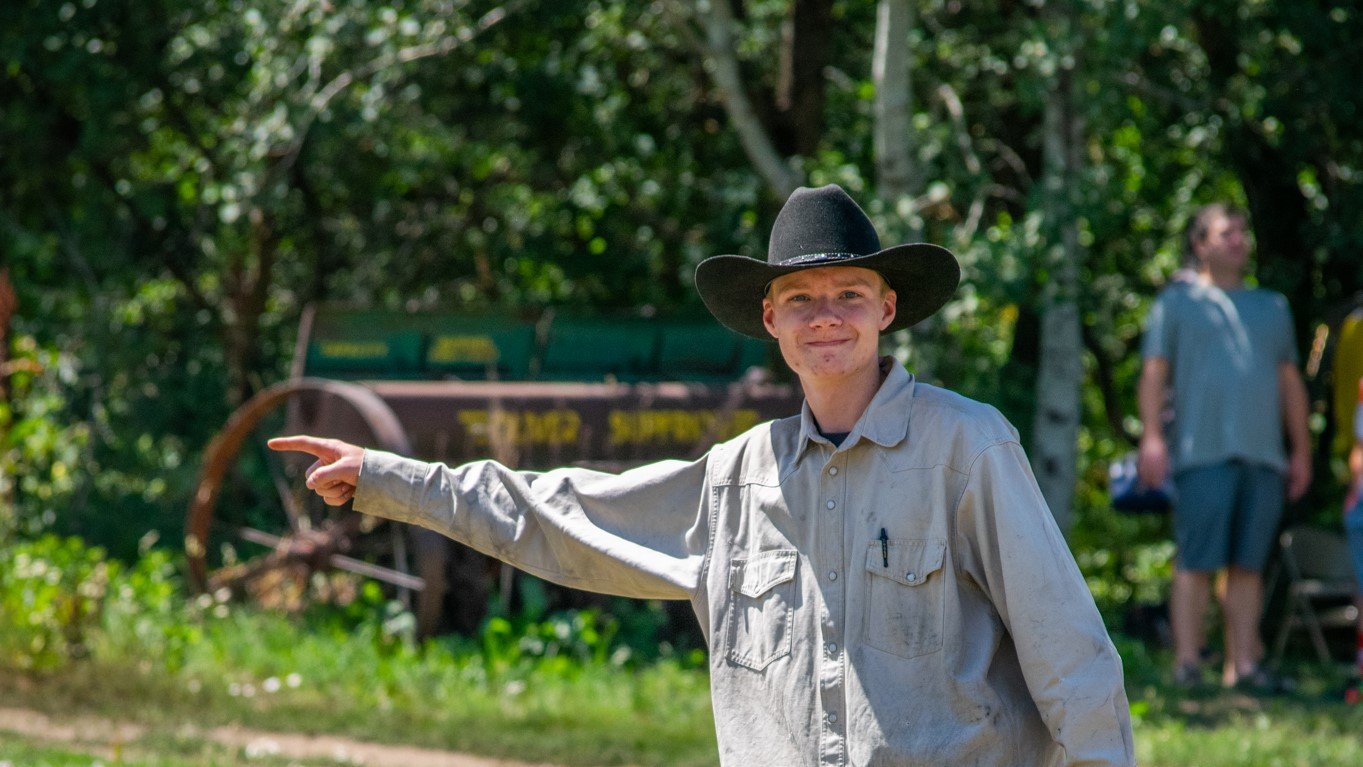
point(1226, 244)
point(828, 320)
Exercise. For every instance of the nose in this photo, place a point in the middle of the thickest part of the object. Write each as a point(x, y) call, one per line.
point(824, 314)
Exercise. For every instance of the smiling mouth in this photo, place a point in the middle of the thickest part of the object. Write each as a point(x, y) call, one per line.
point(827, 342)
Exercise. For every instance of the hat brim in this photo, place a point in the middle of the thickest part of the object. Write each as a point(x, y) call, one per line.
point(923, 276)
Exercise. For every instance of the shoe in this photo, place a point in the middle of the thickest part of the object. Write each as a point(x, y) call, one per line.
point(1261, 681)
point(1188, 676)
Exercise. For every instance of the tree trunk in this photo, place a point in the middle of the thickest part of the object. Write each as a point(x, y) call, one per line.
point(897, 179)
point(1055, 426)
point(722, 63)
point(805, 48)
point(248, 292)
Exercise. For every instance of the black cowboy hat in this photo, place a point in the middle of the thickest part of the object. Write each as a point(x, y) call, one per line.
point(826, 227)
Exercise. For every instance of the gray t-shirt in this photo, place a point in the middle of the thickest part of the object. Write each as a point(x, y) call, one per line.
point(1224, 349)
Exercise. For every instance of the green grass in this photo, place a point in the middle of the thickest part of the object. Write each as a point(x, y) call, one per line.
point(79, 634)
point(15, 751)
point(655, 715)
point(1309, 727)
point(591, 721)
point(560, 691)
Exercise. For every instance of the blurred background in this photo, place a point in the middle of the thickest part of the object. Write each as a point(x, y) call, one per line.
point(180, 181)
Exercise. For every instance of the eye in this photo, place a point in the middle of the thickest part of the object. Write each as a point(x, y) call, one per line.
point(797, 298)
point(851, 294)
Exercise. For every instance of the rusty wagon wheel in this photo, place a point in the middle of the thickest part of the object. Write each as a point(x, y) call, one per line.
point(255, 529)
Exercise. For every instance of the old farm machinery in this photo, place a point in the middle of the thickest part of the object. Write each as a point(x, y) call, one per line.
point(533, 392)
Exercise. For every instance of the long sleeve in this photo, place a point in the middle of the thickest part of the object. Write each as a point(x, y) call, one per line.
point(643, 533)
point(1018, 556)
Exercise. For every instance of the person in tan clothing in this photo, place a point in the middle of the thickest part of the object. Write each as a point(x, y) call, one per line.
point(878, 578)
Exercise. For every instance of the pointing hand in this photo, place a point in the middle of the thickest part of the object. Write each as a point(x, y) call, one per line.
point(336, 471)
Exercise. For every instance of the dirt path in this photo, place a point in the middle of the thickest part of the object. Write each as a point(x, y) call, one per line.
point(103, 737)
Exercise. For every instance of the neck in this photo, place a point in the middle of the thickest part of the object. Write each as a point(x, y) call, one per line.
point(1226, 279)
point(838, 405)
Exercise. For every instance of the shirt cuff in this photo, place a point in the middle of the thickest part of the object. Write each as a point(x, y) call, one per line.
point(388, 484)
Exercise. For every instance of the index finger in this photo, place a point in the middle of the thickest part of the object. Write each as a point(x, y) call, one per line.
point(316, 446)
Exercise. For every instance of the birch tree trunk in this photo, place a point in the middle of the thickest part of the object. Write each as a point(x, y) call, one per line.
point(722, 64)
point(898, 180)
point(1056, 421)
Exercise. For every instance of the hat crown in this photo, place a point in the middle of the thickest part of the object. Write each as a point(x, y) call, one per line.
point(820, 221)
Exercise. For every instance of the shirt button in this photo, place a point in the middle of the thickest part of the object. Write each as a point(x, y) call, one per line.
point(911, 577)
point(833, 470)
point(831, 504)
point(832, 648)
point(832, 575)
point(832, 718)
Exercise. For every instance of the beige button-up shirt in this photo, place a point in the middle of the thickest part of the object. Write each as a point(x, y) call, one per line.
point(964, 635)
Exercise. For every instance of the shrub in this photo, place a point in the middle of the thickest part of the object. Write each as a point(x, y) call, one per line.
point(52, 593)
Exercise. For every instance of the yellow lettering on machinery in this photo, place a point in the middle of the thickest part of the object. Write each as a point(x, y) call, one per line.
point(352, 350)
point(680, 427)
point(453, 349)
point(552, 428)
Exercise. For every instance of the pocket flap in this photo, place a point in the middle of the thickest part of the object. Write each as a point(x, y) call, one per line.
point(909, 562)
point(757, 574)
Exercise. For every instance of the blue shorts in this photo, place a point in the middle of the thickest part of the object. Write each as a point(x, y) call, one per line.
point(1353, 530)
point(1227, 514)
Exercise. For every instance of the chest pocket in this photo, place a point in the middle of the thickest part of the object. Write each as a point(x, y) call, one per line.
point(762, 594)
point(904, 598)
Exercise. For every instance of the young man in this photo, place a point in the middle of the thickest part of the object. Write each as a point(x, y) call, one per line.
point(878, 578)
point(1229, 355)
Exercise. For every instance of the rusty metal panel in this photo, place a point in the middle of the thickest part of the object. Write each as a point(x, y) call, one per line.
point(542, 425)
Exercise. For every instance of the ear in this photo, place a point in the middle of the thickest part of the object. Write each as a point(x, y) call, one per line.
point(769, 316)
point(1197, 247)
point(890, 306)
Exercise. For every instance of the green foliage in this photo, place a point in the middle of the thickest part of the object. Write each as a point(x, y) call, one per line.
point(575, 639)
point(40, 450)
point(69, 612)
point(52, 594)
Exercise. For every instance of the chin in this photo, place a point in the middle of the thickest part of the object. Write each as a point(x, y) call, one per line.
point(832, 369)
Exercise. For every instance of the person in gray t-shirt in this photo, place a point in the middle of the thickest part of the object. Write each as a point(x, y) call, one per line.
point(1228, 354)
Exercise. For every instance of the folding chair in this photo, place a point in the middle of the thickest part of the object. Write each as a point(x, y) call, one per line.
point(1320, 583)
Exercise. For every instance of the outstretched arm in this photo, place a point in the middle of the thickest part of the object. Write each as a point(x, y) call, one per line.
point(643, 533)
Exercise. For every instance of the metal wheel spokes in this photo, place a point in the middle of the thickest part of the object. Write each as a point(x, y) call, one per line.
point(256, 530)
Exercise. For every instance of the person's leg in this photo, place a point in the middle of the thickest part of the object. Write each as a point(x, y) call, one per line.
point(1244, 605)
point(1188, 600)
point(1201, 534)
point(1254, 529)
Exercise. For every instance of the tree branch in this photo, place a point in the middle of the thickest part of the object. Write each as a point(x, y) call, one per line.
point(319, 101)
point(722, 64)
point(1106, 381)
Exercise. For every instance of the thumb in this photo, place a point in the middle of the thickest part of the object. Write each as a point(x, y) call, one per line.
point(325, 449)
point(338, 473)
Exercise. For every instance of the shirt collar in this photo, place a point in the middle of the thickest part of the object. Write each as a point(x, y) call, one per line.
point(885, 420)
